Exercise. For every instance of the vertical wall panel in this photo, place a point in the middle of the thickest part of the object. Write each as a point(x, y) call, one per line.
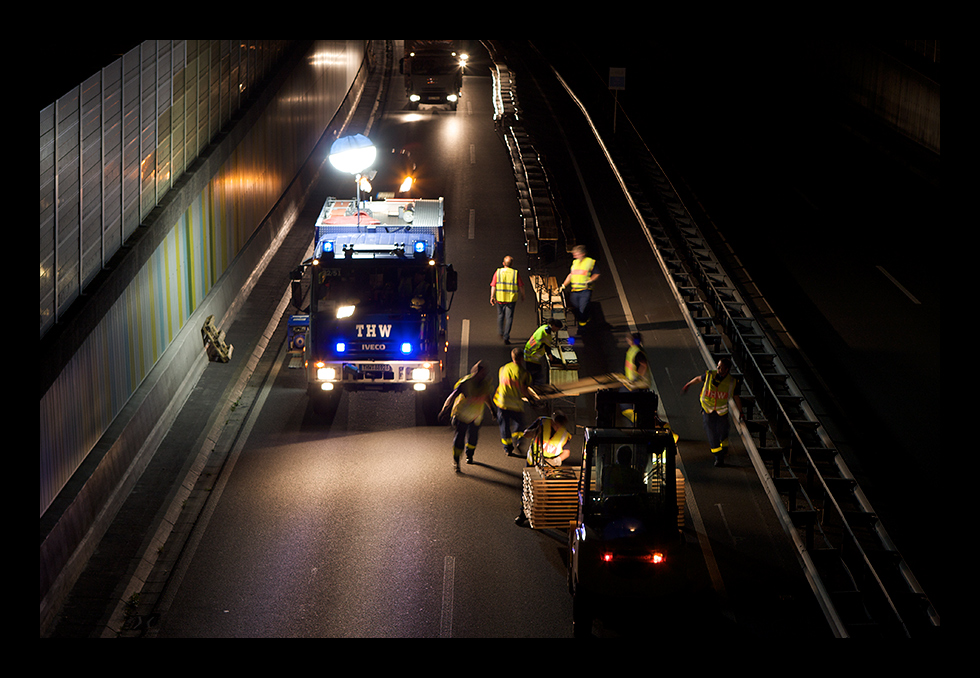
point(112, 143)
point(114, 360)
point(46, 217)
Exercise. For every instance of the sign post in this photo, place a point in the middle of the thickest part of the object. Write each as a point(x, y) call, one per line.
point(617, 82)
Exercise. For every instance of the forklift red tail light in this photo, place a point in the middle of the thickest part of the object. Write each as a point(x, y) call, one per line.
point(654, 557)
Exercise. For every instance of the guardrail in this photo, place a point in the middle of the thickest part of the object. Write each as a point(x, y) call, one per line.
point(541, 210)
point(858, 576)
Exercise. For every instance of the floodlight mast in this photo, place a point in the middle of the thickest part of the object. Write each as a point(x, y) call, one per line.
point(354, 154)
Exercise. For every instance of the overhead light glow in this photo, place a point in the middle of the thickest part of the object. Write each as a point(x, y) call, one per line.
point(352, 154)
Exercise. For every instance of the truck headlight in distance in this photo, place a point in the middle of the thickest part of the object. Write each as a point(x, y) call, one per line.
point(345, 311)
point(421, 374)
point(415, 97)
point(452, 98)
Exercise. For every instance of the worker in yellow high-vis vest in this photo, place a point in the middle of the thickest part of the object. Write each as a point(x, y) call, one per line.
point(548, 446)
point(719, 387)
point(637, 371)
point(537, 348)
point(581, 278)
point(512, 383)
point(471, 395)
point(506, 288)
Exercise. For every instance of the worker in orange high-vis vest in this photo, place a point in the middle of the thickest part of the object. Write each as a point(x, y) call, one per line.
point(580, 278)
point(547, 448)
point(719, 387)
point(512, 382)
point(506, 287)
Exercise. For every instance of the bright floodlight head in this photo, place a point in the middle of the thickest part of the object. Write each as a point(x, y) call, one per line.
point(352, 154)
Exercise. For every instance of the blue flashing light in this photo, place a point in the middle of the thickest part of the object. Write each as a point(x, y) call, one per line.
point(328, 246)
point(406, 348)
point(341, 347)
point(420, 247)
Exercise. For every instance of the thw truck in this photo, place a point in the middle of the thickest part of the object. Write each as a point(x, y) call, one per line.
point(378, 297)
point(433, 71)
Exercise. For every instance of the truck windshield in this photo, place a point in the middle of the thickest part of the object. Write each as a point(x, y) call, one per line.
point(434, 65)
point(374, 288)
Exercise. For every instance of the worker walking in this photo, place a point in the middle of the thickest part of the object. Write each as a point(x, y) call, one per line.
point(513, 381)
point(537, 348)
point(547, 448)
point(720, 386)
point(636, 370)
point(506, 287)
point(470, 396)
point(581, 278)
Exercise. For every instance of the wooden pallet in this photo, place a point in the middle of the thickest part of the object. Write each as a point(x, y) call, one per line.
point(550, 496)
point(680, 498)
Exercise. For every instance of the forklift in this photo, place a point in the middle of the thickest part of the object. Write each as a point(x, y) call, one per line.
point(625, 545)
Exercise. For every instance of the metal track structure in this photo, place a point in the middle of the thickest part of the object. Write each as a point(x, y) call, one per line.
point(864, 586)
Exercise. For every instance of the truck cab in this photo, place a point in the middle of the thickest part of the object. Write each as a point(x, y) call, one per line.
point(433, 71)
point(379, 297)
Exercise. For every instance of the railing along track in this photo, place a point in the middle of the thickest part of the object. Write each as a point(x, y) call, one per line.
point(861, 581)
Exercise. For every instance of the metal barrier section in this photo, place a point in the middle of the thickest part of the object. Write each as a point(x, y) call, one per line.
point(541, 207)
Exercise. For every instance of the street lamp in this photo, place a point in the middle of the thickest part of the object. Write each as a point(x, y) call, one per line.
point(353, 154)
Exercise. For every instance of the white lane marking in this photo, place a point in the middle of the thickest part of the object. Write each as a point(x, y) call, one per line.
point(464, 349)
point(448, 576)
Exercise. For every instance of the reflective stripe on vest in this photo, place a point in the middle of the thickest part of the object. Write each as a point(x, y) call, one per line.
point(534, 348)
point(508, 395)
point(550, 441)
point(473, 397)
point(715, 394)
point(631, 372)
point(581, 272)
point(506, 287)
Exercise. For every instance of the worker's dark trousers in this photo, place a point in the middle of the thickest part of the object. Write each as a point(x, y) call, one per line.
point(505, 318)
point(580, 304)
point(511, 427)
point(717, 427)
point(467, 434)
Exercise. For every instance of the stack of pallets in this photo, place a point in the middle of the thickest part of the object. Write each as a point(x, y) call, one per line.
point(550, 496)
